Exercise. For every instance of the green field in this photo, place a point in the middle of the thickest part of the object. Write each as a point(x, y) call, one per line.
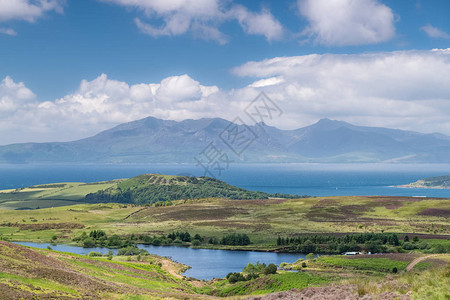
point(50, 195)
point(262, 220)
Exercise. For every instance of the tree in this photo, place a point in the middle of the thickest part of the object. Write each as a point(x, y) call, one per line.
point(88, 242)
point(310, 256)
point(198, 237)
point(271, 269)
point(406, 239)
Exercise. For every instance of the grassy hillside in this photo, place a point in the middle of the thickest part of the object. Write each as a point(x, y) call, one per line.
point(43, 274)
point(263, 220)
point(440, 182)
point(151, 188)
point(142, 189)
point(50, 195)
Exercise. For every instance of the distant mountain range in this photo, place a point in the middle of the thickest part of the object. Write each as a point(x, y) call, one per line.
point(152, 140)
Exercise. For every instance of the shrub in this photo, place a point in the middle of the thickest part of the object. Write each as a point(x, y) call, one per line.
point(408, 246)
point(131, 250)
point(196, 243)
point(304, 265)
point(93, 253)
point(88, 243)
point(254, 268)
point(213, 241)
point(310, 256)
point(440, 249)
point(394, 270)
point(252, 276)
point(271, 269)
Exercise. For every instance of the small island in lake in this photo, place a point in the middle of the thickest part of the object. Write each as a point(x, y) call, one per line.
point(440, 182)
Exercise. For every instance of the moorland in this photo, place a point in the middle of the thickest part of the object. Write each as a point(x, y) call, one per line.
point(412, 232)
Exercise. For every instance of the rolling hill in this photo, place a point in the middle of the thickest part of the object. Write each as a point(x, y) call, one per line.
point(142, 189)
point(152, 140)
point(440, 182)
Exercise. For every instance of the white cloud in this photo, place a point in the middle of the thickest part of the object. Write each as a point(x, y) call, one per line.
point(263, 23)
point(13, 95)
point(97, 105)
point(202, 18)
point(408, 90)
point(27, 10)
point(434, 32)
point(8, 31)
point(347, 22)
point(267, 82)
point(405, 89)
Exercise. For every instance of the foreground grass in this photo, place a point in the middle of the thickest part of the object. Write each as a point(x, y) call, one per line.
point(28, 273)
point(40, 273)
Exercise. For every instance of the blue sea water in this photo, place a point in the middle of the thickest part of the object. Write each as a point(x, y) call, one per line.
point(303, 179)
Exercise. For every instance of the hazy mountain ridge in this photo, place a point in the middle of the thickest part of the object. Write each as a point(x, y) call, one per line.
point(154, 140)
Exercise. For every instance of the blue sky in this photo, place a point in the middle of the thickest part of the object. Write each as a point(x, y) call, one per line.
point(50, 47)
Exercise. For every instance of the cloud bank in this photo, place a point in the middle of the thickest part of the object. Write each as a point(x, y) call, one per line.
point(405, 89)
point(26, 10)
point(202, 18)
point(347, 22)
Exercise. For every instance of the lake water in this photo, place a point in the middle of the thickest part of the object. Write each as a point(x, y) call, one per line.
point(303, 179)
point(205, 263)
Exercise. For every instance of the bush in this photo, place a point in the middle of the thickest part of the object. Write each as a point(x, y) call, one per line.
point(310, 256)
point(255, 268)
point(213, 241)
point(408, 246)
point(88, 243)
point(235, 277)
point(252, 276)
point(304, 265)
point(93, 253)
point(271, 269)
point(196, 243)
point(423, 245)
point(394, 270)
point(440, 249)
point(131, 250)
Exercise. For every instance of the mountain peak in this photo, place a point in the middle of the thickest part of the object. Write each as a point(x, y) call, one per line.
point(328, 124)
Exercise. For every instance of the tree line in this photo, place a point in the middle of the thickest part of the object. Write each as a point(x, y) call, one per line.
point(99, 238)
point(332, 244)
